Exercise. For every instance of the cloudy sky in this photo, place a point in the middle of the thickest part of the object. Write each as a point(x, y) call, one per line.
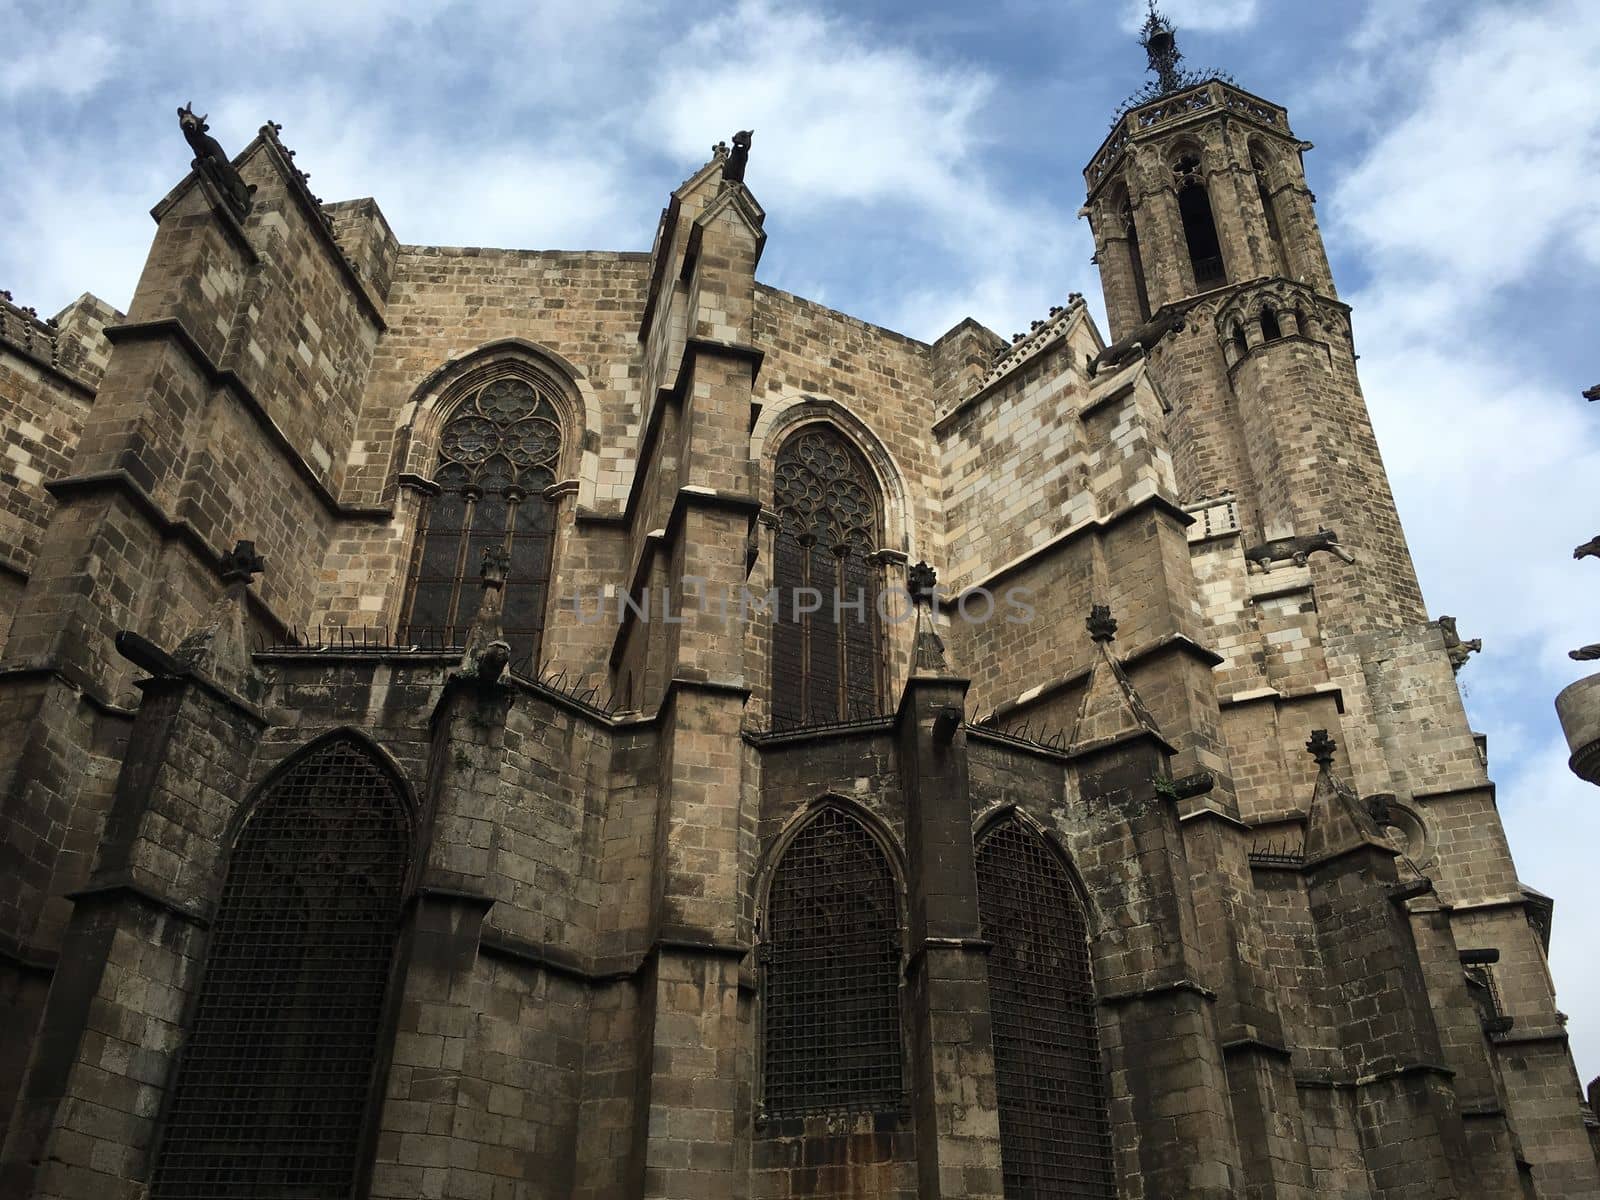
point(919, 161)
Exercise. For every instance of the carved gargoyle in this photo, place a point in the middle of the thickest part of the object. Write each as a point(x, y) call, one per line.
point(1298, 549)
point(1585, 653)
point(1138, 341)
point(1590, 549)
point(1457, 649)
point(738, 157)
point(213, 162)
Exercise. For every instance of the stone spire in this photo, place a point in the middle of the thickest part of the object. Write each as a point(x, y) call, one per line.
point(928, 647)
point(1110, 709)
point(218, 647)
point(487, 652)
point(1336, 820)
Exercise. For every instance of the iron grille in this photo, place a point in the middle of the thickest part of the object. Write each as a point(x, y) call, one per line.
point(276, 1071)
point(825, 663)
point(831, 977)
point(1055, 1133)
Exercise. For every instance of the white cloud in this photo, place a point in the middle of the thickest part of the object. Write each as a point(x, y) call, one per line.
point(837, 117)
point(1495, 163)
point(72, 64)
point(1478, 181)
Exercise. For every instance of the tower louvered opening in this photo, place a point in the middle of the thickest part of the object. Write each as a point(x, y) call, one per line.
point(831, 975)
point(276, 1071)
point(1055, 1132)
point(826, 657)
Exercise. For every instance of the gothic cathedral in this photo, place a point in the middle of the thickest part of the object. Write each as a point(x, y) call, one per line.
point(521, 725)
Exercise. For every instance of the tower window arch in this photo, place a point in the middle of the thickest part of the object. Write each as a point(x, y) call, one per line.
point(1269, 209)
point(1135, 260)
point(830, 982)
point(1199, 225)
point(1055, 1130)
point(498, 452)
point(1240, 343)
point(826, 644)
point(1271, 331)
point(274, 1083)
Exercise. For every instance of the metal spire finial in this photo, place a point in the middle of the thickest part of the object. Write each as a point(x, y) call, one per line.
point(1161, 48)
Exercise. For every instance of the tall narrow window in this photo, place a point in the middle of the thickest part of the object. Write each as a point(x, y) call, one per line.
point(1199, 226)
point(1271, 331)
point(275, 1077)
point(498, 453)
point(1269, 210)
point(831, 975)
point(826, 656)
point(1055, 1132)
point(1136, 262)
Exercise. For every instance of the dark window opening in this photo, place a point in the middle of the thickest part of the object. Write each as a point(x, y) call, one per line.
point(497, 455)
point(831, 975)
point(1199, 226)
point(825, 641)
point(1240, 343)
point(1055, 1129)
point(273, 1088)
point(1136, 262)
point(1269, 326)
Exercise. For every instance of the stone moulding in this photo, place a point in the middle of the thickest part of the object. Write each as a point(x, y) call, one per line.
point(1173, 112)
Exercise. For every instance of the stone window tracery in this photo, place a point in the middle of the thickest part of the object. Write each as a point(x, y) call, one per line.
point(273, 1087)
point(1055, 1132)
point(830, 985)
point(826, 663)
point(498, 452)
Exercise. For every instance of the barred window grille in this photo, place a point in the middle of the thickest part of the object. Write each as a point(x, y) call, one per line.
point(1055, 1131)
point(831, 975)
point(826, 664)
point(275, 1076)
point(497, 455)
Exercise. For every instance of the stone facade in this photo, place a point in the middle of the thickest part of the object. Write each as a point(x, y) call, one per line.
point(1315, 971)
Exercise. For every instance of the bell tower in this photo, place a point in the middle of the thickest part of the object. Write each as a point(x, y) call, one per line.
point(1204, 226)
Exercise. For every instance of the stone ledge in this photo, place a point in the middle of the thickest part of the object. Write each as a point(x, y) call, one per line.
point(230, 381)
point(168, 526)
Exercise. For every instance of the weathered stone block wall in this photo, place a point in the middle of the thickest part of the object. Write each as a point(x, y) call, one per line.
point(47, 384)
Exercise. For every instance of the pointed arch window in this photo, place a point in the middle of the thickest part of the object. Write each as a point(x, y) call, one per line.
point(498, 452)
point(826, 646)
point(1199, 224)
point(275, 1079)
point(1269, 210)
point(830, 979)
point(1055, 1130)
point(1136, 261)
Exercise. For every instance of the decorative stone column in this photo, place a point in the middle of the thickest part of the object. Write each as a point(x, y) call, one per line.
point(957, 1107)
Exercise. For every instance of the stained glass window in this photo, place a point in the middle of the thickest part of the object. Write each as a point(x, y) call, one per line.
point(498, 453)
point(275, 1078)
point(831, 974)
point(826, 655)
point(1055, 1133)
